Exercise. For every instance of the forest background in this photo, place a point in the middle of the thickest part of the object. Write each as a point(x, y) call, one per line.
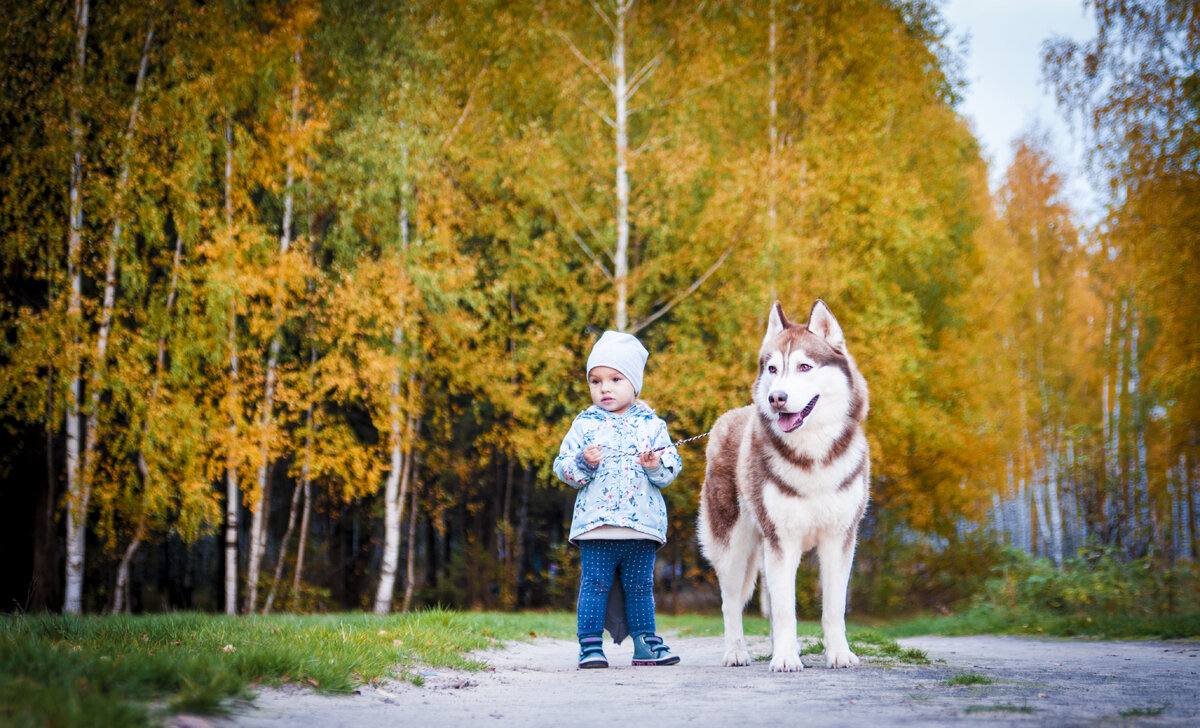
point(297, 296)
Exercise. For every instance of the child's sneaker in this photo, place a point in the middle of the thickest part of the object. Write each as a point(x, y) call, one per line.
point(591, 653)
point(648, 649)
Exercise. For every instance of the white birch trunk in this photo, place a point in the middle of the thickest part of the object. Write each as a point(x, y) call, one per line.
point(287, 536)
point(110, 274)
point(1115, 432)
point(122, 586)
point(621, 122)
point(306, 469)
point(106, 321)
point(1054, 509)
point(393, 498)
point(1038, 487)
point(260, 503)
point(773, 131)
point(412, 534)
point(394, 492)
point(301, 544)
point(1143, 506)
point(998, 516)
point(143, 467)
point(771, 249)
point(232, 492)
point(1106, 419)
point(77, 496)
point(305, 479)
point(1186, 509)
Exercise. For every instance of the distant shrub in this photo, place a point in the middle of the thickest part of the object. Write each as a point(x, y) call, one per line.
point(1096, 582)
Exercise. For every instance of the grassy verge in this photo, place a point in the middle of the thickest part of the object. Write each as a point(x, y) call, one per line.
point(131, 671)
point(982, 620)
point(108, 671)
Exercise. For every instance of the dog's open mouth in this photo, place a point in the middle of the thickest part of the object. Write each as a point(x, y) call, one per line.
point(790, 421)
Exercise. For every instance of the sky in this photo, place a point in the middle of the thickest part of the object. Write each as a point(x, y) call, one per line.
point(1005, 96)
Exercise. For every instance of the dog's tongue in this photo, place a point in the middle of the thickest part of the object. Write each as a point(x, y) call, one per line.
point(789, 421)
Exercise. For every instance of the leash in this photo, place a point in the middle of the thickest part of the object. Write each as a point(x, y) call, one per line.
point(677, 443)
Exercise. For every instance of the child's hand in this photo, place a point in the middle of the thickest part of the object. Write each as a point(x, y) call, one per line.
point(650, 460)
point(593, 455)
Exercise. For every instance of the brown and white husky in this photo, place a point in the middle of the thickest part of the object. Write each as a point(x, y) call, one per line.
point(787, 474)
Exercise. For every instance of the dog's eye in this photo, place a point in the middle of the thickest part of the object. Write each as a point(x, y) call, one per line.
point(772, 369)
point(804, 367)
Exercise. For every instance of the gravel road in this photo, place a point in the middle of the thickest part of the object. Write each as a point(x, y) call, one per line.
point(1022, 682)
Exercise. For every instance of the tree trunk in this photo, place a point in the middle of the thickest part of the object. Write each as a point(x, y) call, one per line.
point(297, 578)
point(773, 132)
point(119, 604)
point(393, 499)
point(412, 542)
point(1119, 469)
point(77, 495)
point(232, 493)
point(261, 502)
point(44, 586)
point(110, 273)
point(143, 467)
point(1193, 518)
point(1055, 511)
point(397, 481)
point(287, 536)
point(621, 119)
point(311, 420)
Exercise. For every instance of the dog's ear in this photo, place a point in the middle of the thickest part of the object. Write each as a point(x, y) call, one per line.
point(776, 322)
point(822, 323)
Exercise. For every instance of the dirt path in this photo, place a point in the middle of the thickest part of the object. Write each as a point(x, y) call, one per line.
point(1033, 682)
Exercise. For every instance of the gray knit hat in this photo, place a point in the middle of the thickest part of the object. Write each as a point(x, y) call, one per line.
point(622, 352)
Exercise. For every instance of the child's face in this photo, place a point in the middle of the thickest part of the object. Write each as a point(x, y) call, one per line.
point(611, 390)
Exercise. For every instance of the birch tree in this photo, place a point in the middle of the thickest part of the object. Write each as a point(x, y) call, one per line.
point(77, 493)
point(1129, 92)
point(623, 74)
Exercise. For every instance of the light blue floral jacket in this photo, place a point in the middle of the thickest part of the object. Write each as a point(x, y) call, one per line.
point(618, 491)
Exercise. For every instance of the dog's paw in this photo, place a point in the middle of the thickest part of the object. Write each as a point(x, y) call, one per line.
point(789, 662)
point(737, 656)
point(840, 658)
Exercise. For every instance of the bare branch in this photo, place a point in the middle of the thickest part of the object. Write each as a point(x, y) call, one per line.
point(466, 109)
point(603, 117)
point(582, 245)
point(640, 75)
point(636, 81)
point(604, 16)
point(587, 61)
point(583, 218)
point(643, 323)
point(693, 92)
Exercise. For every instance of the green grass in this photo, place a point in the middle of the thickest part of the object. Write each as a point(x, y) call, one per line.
point(106, 671)
point(969, 678)
point(995, 621)
point(871, 643)
point(1145, 712)
point(1000, 708)
point(109, 671)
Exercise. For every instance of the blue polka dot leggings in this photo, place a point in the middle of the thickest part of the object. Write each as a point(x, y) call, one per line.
point(599, 559)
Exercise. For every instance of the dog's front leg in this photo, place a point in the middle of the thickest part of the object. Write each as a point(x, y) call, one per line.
point(836, 557)
point(779, 574)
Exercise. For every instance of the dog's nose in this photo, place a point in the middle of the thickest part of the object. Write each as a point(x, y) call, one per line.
point(778, 400)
